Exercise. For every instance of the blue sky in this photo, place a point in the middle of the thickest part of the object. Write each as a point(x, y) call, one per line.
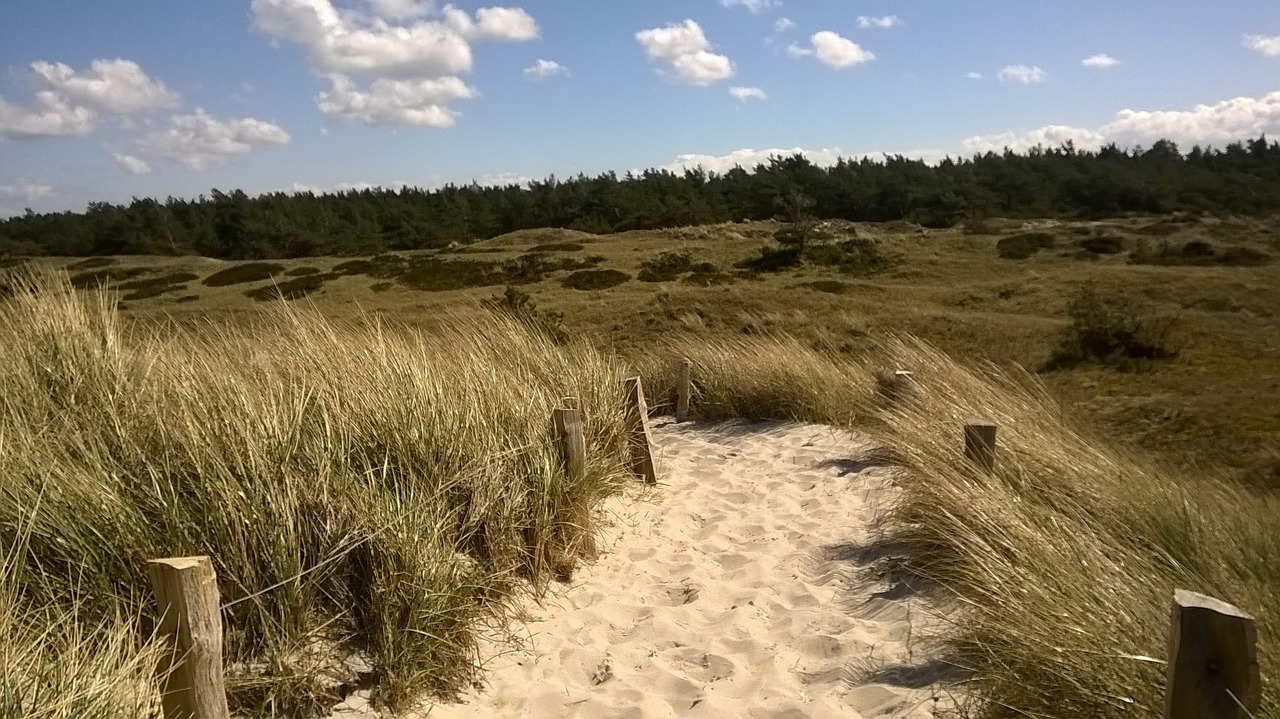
point(111, 100)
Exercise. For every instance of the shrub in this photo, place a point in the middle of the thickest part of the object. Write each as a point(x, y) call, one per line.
point(595, 279)
point(380, 286)
point(107, 276)
point(666, 267)
point(242, 273)
point(706, 274)
point(1198, 253)
point(772, 259)
point(92, 263)
point(831, 287)
point(302, 271)
point(156, 286)
point(296, 288)
point(557, 247)
point(854, 256)
point(1106, 244)
point(435, 275)
point(1111, 332)
point(382, 267)
point(519, 305)
point(1024, 245)
point(1243, 257)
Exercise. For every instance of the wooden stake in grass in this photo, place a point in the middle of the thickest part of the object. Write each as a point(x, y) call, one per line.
point(640, 440)
point(980, 443)
point(190, 618)
point(573, 442)
point(1213, 661)
point(684, 387)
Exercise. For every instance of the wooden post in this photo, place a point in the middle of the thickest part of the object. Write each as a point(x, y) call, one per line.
point(640, 440)
point(190, 618)
point(573, 443)
point(684, 382)
point(980, 443)
point(1212, 657)
point(904, 387)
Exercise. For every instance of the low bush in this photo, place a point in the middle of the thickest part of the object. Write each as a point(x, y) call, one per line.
point(1104, 244)
point(1022, 246)
point(831, 287)
point(243, 273)
point(1112, 332)
point(595, 279)
point(519, 305)
point(1197, 253)
point(156, 286)
point(293, 289)
point(666, 267)
point(301, 271)
point(107, 276)
point(557, 247)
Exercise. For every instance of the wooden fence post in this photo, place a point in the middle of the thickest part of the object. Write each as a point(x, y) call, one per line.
point(186, 593)
point(573, 442)
point(1212, 658)
point(640, 440)
point(684, 382)
point(980, 443)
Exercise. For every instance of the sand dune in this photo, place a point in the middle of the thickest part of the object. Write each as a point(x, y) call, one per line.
point(734, 591)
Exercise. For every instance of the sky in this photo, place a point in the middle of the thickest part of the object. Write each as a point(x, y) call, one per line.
point(107, 101)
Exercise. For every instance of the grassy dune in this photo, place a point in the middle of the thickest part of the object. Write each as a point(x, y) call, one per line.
point(363, 490)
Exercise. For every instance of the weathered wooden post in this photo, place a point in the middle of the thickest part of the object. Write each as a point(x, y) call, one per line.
point(1213, 661)
point(980, 443)
point(186, 593)
point(684, 387)
point(640, 440)
point(573, 442)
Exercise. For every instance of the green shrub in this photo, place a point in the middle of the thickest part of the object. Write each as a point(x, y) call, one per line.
point(92, 263)
point(107, 276)
point(1197, 253)
point(156, 286)
point(854, 256)
point(242, 273)
point(666, 267)
point(434, 275)
point(296, 288)
point(772, 259)
point(302, 271)
point(595, 279)
point(706, 274)
point(557, 247)
point(382, 267)
point(519, 305)
point(1105, 244)
point(1024, 245)
point(1112, 332)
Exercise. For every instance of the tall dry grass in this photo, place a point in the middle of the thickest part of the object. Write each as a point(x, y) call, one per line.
point(1065, 559)
point(364, 491)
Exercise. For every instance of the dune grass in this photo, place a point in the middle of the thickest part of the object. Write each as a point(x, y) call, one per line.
point(1063, 562)
point(365, 492)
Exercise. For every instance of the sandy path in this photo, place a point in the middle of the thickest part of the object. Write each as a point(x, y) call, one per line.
point(735, 592)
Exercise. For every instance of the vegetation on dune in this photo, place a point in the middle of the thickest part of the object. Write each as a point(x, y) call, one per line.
point(362, 489)
point(243, 273)
point(595, 279)
point(1042, 182)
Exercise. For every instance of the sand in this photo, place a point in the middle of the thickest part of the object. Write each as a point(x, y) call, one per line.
point(733, 591)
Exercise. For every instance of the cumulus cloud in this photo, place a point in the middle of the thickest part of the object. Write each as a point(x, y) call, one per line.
point(545, 69)
point(755, 7)
point(420, 103)
point(748, 158)
point(1216, 124)
point(973, 75)
point(688, 51)
point(1269, 46)
point(838, 52)
point(1021, 74)
point(1101, 61)
point(70, 103)
point(783, 24)
point(199, 141)
point(867, 22)
point(412, 51)
point(26, 190)
point(745, 94)
point(132, 164)
point(795, 50)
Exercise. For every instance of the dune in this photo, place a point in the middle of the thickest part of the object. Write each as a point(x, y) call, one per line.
point(735, 590)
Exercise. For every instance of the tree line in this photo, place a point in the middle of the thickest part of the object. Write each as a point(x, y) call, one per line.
point(1242, 179)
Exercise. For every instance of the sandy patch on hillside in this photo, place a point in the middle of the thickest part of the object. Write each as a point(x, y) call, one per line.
point(735, 592)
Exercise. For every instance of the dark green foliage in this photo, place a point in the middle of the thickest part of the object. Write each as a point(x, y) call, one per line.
point(1105, 244)
point(595, 279)
point(301, 272)
point(107, 276)
point(156, 286)
point(1196, 252)
point(381, 286)
point(517, 303)
point(557, 247)
point(1024, 245)
point(187, 298)
point(1112, 332)
point(92, 263)
point(240, 274)
point(666, 267)
point(1239, 179)
point(854, 256)
point(773, 259)
point(435, 275)
point(706, 274)
point(381, 267)
point(293, 289)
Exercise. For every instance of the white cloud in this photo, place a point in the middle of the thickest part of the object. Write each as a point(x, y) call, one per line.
point(1269, 46)
point(503, 179)
point(1101, 61)
point(116, 87)
point(783, 24)
point(505, 23)
point(748, 158)
point(401, 9)
point(26, 190)
point(1049, 136)
point(686, 47)
point(838, 52)
point(744, 94)
point(199, 141)
point(132, 164)
point(797, 51)
point(70, 103)
point(52, 116)
point(299, 187)
point(878, 23)
point(973, 75)
point(1022, 74)
point(544, 69)
point(755, 7)
point(418, 103)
